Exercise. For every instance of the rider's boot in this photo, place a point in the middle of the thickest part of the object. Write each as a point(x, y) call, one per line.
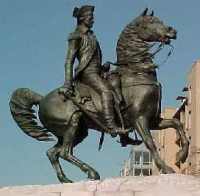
point(116, 83)
point(126, 140)
point(108, 111)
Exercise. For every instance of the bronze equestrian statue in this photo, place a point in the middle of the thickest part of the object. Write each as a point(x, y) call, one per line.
point(132, 93)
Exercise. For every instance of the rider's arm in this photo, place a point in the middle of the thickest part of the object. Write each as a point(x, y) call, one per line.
point(70, 58)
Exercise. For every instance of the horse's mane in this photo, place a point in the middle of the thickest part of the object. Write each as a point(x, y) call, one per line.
point(129, 45)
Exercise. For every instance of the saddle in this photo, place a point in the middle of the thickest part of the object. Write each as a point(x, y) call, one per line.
point(91, 100)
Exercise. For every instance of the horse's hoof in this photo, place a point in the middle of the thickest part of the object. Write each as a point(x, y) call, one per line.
point(182, 155)
point(168, 170)
point(93, 175)
point(63, 179)
point(113, 134)
point(126, 140)
point(178, 164)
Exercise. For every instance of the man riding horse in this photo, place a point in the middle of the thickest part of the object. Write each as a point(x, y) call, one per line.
point(83, 45)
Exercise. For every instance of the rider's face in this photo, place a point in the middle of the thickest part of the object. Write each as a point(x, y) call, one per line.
point(88, 19)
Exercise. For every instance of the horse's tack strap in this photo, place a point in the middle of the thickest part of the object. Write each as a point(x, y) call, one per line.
point(138, 84)
point(138, 79)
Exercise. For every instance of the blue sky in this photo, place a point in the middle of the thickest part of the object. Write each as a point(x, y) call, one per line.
point(33, 37)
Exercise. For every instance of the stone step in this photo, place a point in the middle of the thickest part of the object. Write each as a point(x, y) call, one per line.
point(163, 185)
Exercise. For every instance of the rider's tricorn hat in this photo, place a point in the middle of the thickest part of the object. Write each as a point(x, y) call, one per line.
point(80, 12)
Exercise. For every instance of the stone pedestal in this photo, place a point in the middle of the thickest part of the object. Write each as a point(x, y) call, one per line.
point(164, 185)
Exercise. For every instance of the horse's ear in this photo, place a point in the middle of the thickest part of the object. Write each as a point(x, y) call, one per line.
point(144, 13)
point(152, 13)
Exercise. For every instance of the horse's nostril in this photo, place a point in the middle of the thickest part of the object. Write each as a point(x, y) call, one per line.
point(171, 28)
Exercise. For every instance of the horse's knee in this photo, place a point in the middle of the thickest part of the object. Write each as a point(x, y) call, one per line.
point(143, 129)
point(51, 154)
point(177, 124)
point(65, 152)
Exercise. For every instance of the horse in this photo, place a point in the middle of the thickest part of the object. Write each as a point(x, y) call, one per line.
point(69, 119)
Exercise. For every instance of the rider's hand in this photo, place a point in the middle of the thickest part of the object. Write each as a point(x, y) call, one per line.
point(66, 89)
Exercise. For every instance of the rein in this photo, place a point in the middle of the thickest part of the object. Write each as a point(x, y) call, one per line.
point(159, 48)
point(168, 55)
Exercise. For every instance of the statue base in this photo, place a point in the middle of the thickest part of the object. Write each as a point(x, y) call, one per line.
point(163, 185)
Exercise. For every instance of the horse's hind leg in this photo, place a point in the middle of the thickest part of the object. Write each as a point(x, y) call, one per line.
point(67, 154)
point(74, 134)
point(141, 125)
point(53, 155)
point(181, 156)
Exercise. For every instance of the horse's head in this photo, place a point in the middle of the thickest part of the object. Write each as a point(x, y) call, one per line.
point(151, 29)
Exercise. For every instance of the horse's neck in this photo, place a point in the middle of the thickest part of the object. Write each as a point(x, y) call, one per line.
point(140, 51)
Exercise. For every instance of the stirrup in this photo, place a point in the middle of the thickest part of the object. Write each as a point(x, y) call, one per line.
point(118, 130)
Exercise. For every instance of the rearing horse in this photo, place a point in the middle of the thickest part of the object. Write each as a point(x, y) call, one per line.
point(141, 93)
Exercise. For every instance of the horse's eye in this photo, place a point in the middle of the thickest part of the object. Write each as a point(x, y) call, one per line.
point(152, 21)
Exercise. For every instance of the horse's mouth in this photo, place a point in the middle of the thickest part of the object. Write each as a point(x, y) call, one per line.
point(165, 40)
point(171, 36)
point(168, 37)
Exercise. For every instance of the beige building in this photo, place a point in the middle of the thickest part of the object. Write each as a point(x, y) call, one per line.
point(190, 116)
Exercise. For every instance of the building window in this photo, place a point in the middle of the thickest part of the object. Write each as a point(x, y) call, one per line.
point(138, 172)
point(143, 172)
point(146, 158)
point(142, 158)
point(138, 157)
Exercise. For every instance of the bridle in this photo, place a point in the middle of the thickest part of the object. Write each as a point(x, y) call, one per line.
point(161, 47)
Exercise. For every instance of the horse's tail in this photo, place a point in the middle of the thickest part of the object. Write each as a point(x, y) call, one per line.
point(21, 103)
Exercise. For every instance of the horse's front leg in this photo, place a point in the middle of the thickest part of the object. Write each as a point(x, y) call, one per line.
point(141, 125)
point(181, 156)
